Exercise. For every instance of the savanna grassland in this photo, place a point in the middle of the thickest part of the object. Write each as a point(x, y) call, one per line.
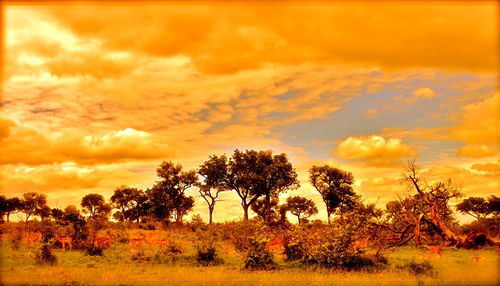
point(123, 264)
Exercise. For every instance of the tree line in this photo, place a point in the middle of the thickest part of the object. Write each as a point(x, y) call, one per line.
point(258, 178)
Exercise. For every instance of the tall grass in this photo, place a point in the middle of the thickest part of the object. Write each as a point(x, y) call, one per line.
point(455, 267)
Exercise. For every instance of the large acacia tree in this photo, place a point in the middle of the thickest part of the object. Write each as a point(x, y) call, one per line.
point(214, 173)
point(167, 197)
point(33, 204)
point(129, 201)
point(253, 174)
point(95, 205)
point(335, 187)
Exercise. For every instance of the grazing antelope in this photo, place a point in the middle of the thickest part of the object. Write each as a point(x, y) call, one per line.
point(65, 240)
point(33, 238)
point(161, 242)
point(434, 251)
point(137, 242)
point(102, 241)
point(275, 244)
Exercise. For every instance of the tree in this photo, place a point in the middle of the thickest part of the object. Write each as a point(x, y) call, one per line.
point(96, 206)
point(300, 206)
point(254, 174)
point(214, 173)
point(260, 208)
point(167, 197)
point(335, 187)
point(33, 204)
point(12, 205)
point(128, 201)
point(475, 206)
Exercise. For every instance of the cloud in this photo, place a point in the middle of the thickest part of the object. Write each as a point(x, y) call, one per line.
point(419, 94)
point(25, 145)
point(223, 39)
point(493, 168)
point(373, 147)
point(478, 151)
point(479, 123)
point(371, 112)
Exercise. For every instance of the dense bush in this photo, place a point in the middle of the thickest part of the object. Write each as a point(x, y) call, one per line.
point(258, 256)
point(44, 255)
point(207, 255)
point(295, 243)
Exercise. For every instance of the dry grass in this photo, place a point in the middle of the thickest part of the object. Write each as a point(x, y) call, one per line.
point(455, 267)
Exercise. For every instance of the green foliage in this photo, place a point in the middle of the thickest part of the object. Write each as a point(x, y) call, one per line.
point(335, 187)
point(258, 256)
point(44, 255)
point(295, 243)
point(301, 207)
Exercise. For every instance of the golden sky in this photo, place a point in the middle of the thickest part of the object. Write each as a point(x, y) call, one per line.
point(95, 97)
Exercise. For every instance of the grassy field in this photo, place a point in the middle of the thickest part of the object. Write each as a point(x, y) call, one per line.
point(115, 267)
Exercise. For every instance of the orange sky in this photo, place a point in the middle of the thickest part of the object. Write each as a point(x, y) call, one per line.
point(97, 96)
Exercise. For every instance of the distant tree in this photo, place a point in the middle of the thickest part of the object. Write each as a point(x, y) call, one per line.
point(11, 205)
point(44, 212)
point(167, 197)
point(214, 173)
point(476, 207)
point(33, 204)
point(128, 201)
point(57, 214)
point(494, 206)
point(301, 207)
point(253, 174)
point(335, 187)
point(260, 208)
point(96, 206)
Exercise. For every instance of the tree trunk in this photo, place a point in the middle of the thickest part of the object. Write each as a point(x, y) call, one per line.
point(210, 213)
point(298, 217)
point(8, 215)
point(268, 209)
point(245, 211)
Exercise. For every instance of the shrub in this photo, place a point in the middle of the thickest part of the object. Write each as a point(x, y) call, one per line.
point(415, 268)
point(93, 250)
point(258, 256)
point(45, 256)
point(295, 244)
point(207, 255)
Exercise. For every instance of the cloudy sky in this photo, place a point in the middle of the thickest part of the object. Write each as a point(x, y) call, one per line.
point(95, 97)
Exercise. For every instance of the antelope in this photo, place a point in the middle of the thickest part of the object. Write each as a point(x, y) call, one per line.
point(102, 241)
point(34, 237)
point(161, 242)
point(137, 241)
point(434, 251)
point(65, 240)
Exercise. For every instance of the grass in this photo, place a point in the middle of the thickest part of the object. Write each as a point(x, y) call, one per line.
point(455, 267)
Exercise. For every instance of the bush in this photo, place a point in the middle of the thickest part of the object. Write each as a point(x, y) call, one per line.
point(93, 250)
point(333, 248)
point(295, 244)
point(207, 255)
point(258, 256)
point(44, 255)
point(415, 268)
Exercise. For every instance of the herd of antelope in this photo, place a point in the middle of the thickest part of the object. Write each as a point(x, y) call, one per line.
point(275, 245)
point(105, 242)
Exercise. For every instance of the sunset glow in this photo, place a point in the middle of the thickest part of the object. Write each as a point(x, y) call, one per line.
point(95, 97)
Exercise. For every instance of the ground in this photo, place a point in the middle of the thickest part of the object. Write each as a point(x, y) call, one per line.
point(455, 267)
